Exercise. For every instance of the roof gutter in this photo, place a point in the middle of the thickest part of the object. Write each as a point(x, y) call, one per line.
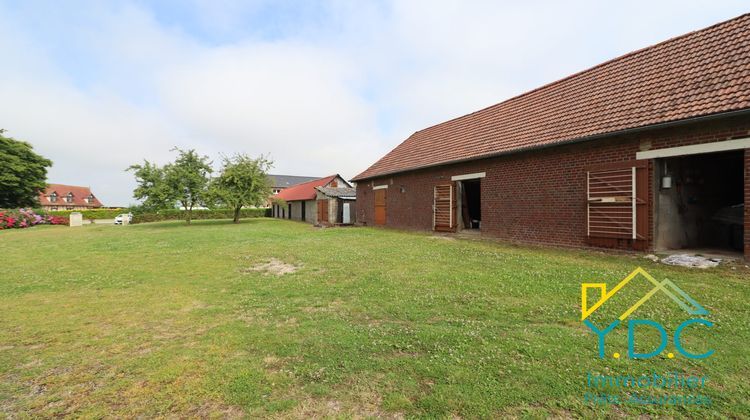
point(627, 131)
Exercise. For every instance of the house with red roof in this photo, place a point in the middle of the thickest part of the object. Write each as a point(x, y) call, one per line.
point(648, 151)
point(68, 197)
point(325, 201)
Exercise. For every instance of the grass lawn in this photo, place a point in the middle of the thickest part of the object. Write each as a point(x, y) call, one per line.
point(168, 319)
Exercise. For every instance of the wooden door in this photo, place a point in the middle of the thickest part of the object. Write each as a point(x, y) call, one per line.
point(444, 208)
point(323, 211)
point(380, 206)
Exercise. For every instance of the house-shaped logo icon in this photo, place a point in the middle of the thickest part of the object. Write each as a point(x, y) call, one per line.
point(667, 287)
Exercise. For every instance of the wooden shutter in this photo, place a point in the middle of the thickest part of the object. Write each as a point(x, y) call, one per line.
point(380, 206)
point(617, 198)
point(444, 211)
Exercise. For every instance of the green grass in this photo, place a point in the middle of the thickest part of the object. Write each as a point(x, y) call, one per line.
point(166, 319)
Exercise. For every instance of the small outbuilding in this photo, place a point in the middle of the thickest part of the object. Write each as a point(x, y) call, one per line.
point(324, 201)
point(337, 206)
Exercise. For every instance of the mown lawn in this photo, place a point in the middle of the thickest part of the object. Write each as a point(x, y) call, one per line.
point(167, 319)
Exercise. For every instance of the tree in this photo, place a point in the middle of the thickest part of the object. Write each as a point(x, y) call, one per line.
point(187, 179)
point(243, 182)
point(23, 173)
point(152, 187)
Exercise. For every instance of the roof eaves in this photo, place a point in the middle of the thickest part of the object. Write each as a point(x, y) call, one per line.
point(564, 142)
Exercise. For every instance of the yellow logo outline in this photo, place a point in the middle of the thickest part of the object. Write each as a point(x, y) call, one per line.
point(691, 306)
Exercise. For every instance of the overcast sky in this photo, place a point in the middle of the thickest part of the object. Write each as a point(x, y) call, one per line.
point(321, 87)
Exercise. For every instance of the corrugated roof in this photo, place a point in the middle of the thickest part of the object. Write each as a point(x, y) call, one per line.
point(338, 191)
point(697, 74)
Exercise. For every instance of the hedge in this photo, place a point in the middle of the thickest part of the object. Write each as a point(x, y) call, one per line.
point(90, 214)
point(175, 214)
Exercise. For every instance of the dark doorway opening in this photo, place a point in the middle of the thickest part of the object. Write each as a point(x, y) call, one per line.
point(471, 204)
point(289, 211)
point(701, 202)
point(303, 209)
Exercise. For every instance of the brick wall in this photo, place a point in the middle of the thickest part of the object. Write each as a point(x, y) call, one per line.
point(538, 196)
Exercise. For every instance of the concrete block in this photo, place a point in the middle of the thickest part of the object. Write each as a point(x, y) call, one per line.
point(76, 219)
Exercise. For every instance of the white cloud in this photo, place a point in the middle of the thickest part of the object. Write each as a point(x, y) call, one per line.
point(292, 101)
point(98, 86)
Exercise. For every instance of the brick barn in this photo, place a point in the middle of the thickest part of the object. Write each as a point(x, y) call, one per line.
point(648, 151)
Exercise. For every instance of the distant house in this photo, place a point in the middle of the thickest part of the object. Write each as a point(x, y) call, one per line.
point(68, 197)
point(282, 182)
point(325, 201)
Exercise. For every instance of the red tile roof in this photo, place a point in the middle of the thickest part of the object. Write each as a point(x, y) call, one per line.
point(79, 196)
point(304, 191)
point(697, 74)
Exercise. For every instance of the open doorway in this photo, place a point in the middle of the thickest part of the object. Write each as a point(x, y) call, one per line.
point(471, 204)
point(700, 202)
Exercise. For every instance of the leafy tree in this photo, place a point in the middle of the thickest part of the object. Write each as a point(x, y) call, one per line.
point(243, 182)
point(23, 173)
point(152, 187)
point(187, 179)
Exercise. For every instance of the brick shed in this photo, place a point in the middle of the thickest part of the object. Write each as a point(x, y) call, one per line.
point(649, 151)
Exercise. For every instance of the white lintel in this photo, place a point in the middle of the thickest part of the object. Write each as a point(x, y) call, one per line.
point(695, 149)
point(468, 176)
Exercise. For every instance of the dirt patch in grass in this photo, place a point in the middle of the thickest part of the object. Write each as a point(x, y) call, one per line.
point(332, 408)
point(273, 266)
point(442, 237)
point(194, 305)
point(216, 410)
point(332, 306)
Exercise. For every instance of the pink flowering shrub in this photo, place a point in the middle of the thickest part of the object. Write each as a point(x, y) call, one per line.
point(57, 220)
point(24, 218)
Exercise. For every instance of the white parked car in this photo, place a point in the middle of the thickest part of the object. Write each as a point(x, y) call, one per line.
point(121, 217)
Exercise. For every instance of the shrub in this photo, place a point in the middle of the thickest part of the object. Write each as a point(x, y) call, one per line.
point(25, 218)
point(176, 214)
point(58, 220)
